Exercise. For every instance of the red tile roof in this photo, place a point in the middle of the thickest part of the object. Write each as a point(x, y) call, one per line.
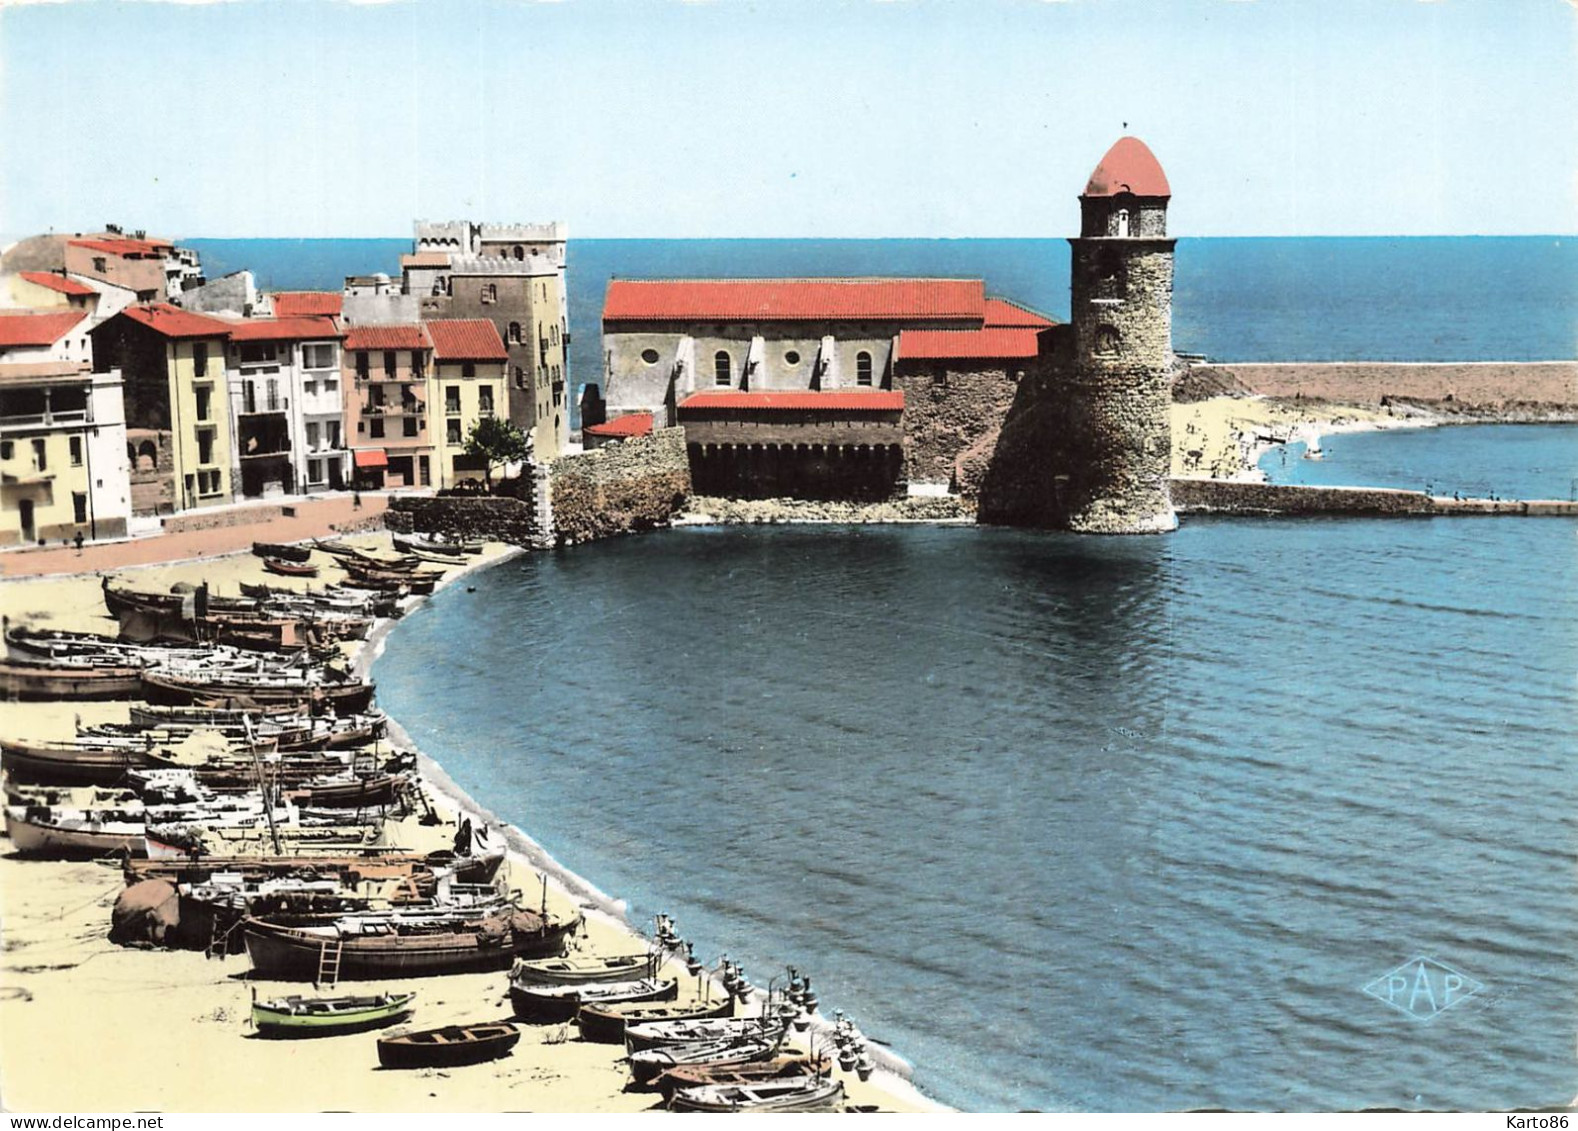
point(30, 329)
point(686, 300)
point(835, 400)
point(1002, 312)
point(126, 248)
point(1129, 166)
point(58, 283)
point(402, 336)
point(466, 339)
point(993, 342)
point(292, 304)
point(283, 329)
point(173, 322)
point(621, 427)
point(425, 259)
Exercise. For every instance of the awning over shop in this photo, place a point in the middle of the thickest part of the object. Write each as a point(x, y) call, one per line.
point(372, 459)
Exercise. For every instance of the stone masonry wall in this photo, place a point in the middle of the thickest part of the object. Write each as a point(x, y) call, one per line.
point(950, 411)
point(498, 518)
point(1469, 385)
point(637, 484)
point(1219, 496)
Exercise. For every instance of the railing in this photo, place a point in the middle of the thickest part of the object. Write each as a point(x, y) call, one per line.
point(404, 408)
point(253, 405)
point(78, 416)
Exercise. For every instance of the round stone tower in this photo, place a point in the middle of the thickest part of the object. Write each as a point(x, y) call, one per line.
point(1119, 384)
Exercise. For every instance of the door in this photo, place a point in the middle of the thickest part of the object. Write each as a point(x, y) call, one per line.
point(29, 533)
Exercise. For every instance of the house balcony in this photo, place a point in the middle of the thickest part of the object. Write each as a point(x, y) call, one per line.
point(44, 419)
point(257, 406)
point(393, 408)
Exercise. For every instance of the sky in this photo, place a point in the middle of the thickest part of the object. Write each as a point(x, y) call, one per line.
point(836, 118)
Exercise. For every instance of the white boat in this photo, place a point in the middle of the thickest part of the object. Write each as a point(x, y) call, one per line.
point(805, 1093)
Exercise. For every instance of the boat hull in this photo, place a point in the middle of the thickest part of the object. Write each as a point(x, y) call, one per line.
point(279, 1023)
point(605, 1024)
point(55, 843)
point(32, 681)
point(449, 1047)
point(291, 955)
point(561, 1003)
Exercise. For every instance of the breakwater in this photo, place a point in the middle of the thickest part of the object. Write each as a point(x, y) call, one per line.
point(1221, 496)
point(1507, 390)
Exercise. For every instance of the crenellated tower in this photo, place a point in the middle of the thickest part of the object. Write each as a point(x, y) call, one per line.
point(1119, 386)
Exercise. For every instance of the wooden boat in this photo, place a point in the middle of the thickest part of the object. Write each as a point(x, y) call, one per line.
point(73, 765)
point(802, 1093)
point(373, 950)
point(604, 1023)
point(648, 1064)
point(572, 969)
point(290, 569)
point(659, 1034)
point(534, 1001)
point(448, 1047)
point(441, 549)
point(356, 793)
point(36, 831)
point(347, 869)
point(347, 697)
point(42, 679)
point(790, 1066)
point(329, 1016)
point(282, 551)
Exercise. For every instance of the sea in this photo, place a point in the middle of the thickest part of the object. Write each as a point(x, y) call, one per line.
point(1267, 813)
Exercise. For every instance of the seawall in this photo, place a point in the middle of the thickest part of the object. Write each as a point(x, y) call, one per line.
point(1511, 390)
point(1222, 496)
point(636, 484)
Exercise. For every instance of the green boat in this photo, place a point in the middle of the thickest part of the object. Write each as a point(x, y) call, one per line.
point(329, 1016)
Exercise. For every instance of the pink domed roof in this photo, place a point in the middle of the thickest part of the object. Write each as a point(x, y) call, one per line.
point(1129, 166)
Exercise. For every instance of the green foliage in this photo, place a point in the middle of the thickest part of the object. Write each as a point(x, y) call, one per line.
point(498, 442)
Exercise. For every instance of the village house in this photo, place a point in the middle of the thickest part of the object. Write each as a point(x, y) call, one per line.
point(287, 405)
point(36, 335)
point(469, 362)
point(153, 269)
point(387, 372)
point(177, 396)
point(63, 453)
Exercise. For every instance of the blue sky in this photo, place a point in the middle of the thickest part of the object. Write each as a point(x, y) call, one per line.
point(815, 118)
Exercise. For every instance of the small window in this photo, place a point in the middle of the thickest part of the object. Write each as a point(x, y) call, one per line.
point(8, 449)
point(205, 445)
point(40, 457)
point(99, 263)
point(76, 454)
point(375, 428)
point(205, 401)
point(650, 356)
point(79, 507)
point(452, 399)
point(200, 359)
point(490, 293)
point(390, 362)
point(1106, 340)
point(515, 331)
point(792, 357)
point(520, 377)
point(319, 355)
point(452, 431)
point(410, 426)
point(520, 252)
point(312, 433)
point(721, 368)
point(485, 400)
point(361, 365)
point(1122, 227)
point(468, 369)
point(862, 368)
point(424, 471)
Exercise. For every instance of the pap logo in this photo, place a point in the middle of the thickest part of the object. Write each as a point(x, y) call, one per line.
point(1423, 988)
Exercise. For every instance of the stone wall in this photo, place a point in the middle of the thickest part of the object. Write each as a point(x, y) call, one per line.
point(493, 518)
point(1218, 496)
point(950, 412)
point(1500, 386)
point(637, 484)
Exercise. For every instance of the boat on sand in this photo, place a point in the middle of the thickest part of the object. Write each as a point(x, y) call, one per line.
point(448, 1047)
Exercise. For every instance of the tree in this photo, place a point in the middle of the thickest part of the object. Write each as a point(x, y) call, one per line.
point(497, 442)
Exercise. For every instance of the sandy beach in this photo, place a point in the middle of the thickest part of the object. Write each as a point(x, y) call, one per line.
point(167, 1030)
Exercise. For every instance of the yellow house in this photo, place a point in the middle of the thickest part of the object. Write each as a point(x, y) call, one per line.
point(178, 418)
point(468, 384)
point(63, 463)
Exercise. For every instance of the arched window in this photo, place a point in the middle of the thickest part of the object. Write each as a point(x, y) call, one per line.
point(1106, 340)
point(520, 377)
point(147, 456)
point(1122, 228)
point(862, 368)
point(515, 331)
point(721, 368)
point(520, 252)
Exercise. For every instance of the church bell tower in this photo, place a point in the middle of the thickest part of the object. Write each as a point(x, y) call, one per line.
point(1120, 384)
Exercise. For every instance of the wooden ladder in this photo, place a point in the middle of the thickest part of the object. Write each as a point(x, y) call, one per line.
point(219, 940)
point(329, 963)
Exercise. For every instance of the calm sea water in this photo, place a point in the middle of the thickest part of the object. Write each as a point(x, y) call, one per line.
point(1446, 299)
point(1511, 461)
point(1071, 822)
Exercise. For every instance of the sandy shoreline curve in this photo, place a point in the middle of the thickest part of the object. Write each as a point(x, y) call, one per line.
point(58, 968)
